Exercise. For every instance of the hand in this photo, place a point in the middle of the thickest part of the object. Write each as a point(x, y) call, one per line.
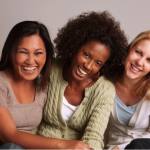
point(73, 144)
point(115, 148)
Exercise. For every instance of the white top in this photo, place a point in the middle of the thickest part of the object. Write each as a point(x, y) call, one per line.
point(138, 127)
point(67, 109)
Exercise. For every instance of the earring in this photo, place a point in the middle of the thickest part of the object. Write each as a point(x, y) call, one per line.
point(70, 54)
point(98, 73)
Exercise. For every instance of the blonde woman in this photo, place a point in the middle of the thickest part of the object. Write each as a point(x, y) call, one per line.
point(130, 115)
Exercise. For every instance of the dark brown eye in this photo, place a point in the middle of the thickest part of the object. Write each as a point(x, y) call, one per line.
point(86, 54)
point(23, 52)
point(98, 63)
point(37, 53)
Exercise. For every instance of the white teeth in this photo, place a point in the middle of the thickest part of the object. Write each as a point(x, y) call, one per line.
point(82, 71)
point(27, 68)
point(135, 68)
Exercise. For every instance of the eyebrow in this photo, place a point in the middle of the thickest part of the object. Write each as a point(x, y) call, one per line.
point(22, 48)
point(91, 56)
point(27, 49)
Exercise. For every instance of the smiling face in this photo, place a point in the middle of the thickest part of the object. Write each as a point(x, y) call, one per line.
point(137, 63)
point(30, 57)
point(89, 59)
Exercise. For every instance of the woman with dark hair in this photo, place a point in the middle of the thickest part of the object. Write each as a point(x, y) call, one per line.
point(89, 50)
point(130, 116)
point(24, 74)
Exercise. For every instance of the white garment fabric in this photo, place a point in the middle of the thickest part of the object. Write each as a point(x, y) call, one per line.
point(124, 112)
point(67, 109)
point(121, 135)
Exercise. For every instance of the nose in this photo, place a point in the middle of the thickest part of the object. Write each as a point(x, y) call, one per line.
point(140, 61)
point(88, 65)
point(30, 60)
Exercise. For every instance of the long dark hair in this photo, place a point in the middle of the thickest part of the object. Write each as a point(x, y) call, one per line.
point(23, 29)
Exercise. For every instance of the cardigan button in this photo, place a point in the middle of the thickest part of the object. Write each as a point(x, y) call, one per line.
point(83, 103)
point(74, 117)
point(63, 136)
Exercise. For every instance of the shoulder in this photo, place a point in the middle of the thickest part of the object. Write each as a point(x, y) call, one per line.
point(41, 94)
point(4, 90)
point(103, 91)
point(3, 80)
point(105, 85)
point(56, 64)
point(56, 71)
point(56, 67)
point(2, 76)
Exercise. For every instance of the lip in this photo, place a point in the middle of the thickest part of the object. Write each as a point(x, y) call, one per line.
point(135, 69)
point(81, 72)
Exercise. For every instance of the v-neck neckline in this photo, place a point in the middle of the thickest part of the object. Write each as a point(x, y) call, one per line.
point(16, 101)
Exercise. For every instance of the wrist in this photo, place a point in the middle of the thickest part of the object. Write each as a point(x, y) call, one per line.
point(60, 144)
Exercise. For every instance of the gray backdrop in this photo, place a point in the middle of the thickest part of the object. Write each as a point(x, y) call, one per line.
point(134, 15)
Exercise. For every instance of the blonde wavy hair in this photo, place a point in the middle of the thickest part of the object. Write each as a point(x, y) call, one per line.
point(142, 88)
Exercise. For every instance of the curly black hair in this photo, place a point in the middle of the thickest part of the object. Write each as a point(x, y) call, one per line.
point(98, 26)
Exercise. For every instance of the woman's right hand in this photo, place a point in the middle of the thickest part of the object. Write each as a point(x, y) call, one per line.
point(73, 144)
point(115, 148)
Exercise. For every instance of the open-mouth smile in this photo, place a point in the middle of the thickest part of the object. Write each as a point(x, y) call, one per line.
point(81, 72)
point(29, 69)
point(135, 68)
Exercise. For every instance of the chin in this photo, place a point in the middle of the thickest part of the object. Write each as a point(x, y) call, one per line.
point(29, 77)
point(133, 77)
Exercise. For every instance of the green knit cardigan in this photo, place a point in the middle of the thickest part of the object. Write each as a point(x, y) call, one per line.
point(89, 121)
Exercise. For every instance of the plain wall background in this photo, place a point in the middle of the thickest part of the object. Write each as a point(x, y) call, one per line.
point(133, 15)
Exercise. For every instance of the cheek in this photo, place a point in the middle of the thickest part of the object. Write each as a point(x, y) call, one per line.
point(147, 69)
point(42, 60)
point(128, 60)
point(131, 56)
point(19, 59)
point(96, 69)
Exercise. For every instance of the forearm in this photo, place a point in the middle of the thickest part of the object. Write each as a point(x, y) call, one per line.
point(10, 134)
point(31, 141)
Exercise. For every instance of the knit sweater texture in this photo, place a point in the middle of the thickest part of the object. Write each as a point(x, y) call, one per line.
point(89, 121)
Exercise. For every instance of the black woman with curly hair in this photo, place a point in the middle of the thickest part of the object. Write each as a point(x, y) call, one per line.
point(89, 50)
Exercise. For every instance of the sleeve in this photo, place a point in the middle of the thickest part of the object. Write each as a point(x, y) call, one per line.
point(94, 131)
point(45, 94)
point(143, 135)
point(3, 95)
